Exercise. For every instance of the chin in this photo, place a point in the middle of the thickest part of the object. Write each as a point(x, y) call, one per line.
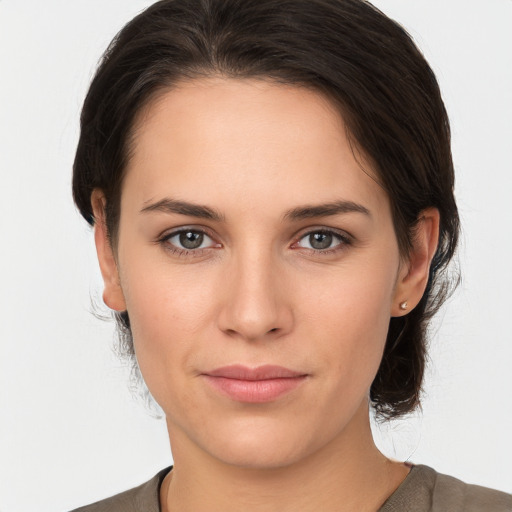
point(260, 447)
point(264, 455)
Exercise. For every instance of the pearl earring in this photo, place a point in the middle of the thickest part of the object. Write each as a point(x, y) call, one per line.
point(403, 305)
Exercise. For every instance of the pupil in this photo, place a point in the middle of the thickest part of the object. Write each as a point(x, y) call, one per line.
point(320, 240)
point(191, 240)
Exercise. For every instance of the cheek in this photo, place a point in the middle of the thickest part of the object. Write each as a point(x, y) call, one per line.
point(349, 317)
point(341, 320)
point(170, 312)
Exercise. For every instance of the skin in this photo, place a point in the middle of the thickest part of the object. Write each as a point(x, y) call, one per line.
point(258, 292)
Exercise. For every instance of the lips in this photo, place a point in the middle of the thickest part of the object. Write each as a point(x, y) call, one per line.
point(254, 385)
point(260, 373)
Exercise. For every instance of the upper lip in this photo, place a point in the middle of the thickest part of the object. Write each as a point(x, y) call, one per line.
point(265, 372)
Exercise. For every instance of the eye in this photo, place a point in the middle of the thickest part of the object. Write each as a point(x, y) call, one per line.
point(323, 240)
point(186, 241)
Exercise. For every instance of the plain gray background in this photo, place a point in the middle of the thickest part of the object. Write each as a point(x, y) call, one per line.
point(70, 433)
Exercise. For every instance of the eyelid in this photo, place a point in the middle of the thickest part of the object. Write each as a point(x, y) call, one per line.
point(322, 229)
point(169, 233)
point(344, 237)
point(166, 235)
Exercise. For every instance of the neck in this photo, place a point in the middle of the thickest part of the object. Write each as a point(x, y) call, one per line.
point(349, 473)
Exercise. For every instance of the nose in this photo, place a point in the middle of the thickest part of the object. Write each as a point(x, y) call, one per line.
point(257, 301)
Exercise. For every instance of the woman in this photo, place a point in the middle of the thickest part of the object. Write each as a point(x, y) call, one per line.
point(271, 187)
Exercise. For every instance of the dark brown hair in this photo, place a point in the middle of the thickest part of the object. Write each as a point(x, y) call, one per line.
point(348, 50)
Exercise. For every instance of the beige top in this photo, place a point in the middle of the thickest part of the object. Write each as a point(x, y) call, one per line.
point(423, 490)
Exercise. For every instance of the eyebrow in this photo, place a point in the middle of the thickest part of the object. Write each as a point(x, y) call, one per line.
point(168, 205)
point(325, 210)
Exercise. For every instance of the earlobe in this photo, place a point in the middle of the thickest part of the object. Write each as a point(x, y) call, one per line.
point(112, 293)
point(414, 274)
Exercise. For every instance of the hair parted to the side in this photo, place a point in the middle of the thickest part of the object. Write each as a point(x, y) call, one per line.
point(365, 63)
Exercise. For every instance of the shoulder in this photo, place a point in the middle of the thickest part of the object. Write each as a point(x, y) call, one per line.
point(453, 494)
point(426, 490)
point(145, 498)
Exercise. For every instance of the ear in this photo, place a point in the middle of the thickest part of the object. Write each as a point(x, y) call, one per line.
point(112, 293)
point(414, 272)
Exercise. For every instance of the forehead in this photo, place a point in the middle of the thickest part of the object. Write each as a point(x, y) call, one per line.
point(254, 138)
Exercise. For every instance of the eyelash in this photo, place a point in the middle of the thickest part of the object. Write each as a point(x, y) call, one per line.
point(343, 239)
point(164, 241)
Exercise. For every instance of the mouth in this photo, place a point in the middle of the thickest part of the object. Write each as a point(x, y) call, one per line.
point(254, 385)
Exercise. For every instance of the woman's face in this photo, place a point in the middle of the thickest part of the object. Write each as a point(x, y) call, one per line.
point(250, 236)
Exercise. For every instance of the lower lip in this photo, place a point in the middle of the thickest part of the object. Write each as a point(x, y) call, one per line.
point(254, 391)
